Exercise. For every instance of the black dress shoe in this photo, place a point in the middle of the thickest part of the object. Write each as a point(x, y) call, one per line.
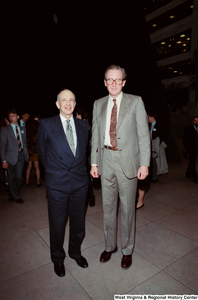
point(126, 261)
point(39, 184)
point(59, 269)
point(106, 256)
point(81, 262)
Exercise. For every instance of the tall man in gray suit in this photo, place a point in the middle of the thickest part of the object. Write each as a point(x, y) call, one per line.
point(121, 155)
point(13, 154)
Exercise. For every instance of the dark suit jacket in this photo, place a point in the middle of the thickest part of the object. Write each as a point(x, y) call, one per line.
point(9, 146)
point(157, 132)
point(190, 140)
point(64, 172)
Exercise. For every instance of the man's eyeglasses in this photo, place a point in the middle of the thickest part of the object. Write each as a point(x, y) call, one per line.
point(111, 81)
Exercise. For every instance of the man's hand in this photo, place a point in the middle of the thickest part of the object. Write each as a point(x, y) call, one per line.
point(143, 172)
point(94, 172)
point(4, 165)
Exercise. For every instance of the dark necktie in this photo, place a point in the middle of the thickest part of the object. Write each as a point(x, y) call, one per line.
point(113, 125)
point(18, 140)
point(69, 135)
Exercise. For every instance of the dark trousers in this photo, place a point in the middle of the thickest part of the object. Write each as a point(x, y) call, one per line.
point(191, 170)
point(59, 204)
point(15, 176)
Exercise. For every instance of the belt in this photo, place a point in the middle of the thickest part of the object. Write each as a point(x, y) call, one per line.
point(111, 148)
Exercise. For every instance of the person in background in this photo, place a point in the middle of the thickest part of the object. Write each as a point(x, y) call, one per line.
point(190, 141)
point(14, 153)
point(37, 118)
point(141, 189)
point(31, 131)
point(158, 156)
point(25, 117)
point(5, 122)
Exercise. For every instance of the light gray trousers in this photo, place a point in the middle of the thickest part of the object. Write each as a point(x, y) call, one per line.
point(115, 183)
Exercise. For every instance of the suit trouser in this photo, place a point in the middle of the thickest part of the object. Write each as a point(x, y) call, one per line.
point(15, 176)
point(191, 170)
point(59, 204)
point(114, 182)
point(154, 174)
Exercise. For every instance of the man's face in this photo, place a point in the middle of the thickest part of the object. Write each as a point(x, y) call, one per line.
point(66, 104)
point(13, 118)
point(195, 121)
point(114, 89)
point(25, 117)
point(151, 119)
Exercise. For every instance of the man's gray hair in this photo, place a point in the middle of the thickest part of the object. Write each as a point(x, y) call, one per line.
point(116, 67)
point(58, 96)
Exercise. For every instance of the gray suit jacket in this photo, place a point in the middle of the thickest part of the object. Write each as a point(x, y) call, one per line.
point(9, 146)
point(132, 134)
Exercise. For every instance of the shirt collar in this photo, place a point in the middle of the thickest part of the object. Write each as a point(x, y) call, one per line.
point(118, 98)
point(63, 119)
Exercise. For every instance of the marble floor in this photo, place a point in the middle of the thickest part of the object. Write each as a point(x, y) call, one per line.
point(165, 258)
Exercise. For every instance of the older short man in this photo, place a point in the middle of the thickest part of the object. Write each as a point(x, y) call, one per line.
point(62, 142)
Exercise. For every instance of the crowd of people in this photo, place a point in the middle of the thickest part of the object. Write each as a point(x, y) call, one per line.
point(119, 146)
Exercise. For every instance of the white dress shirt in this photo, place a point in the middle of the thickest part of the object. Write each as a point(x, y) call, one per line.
point(19, 130)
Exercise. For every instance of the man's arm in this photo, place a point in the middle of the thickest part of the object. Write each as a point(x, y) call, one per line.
point(94, 144)
point(94, 172)
point(143, 172)
point(143, 138)
point(3, 142)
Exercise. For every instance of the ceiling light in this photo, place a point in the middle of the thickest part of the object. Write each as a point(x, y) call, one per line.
point(188, 39)
point(170, 68)
point(154, 25)
point(175, 71)
point(191, 6)
point(163, 43)
point(180, 73)
point(184, 45)
point(169, 46)
point(178, 42)
point(171, 17)
point(182, 35)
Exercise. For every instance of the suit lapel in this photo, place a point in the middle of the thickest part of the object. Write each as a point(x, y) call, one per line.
point(104, 115)
point(123, 109)
point(78, 139)
point(60, 134)
point(11, 133)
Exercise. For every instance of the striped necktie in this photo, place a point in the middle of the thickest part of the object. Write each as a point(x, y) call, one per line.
point(70, 137)
point(113, 125)
point(18, 140)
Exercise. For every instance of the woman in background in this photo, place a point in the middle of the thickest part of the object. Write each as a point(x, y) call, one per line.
point(31, 136)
